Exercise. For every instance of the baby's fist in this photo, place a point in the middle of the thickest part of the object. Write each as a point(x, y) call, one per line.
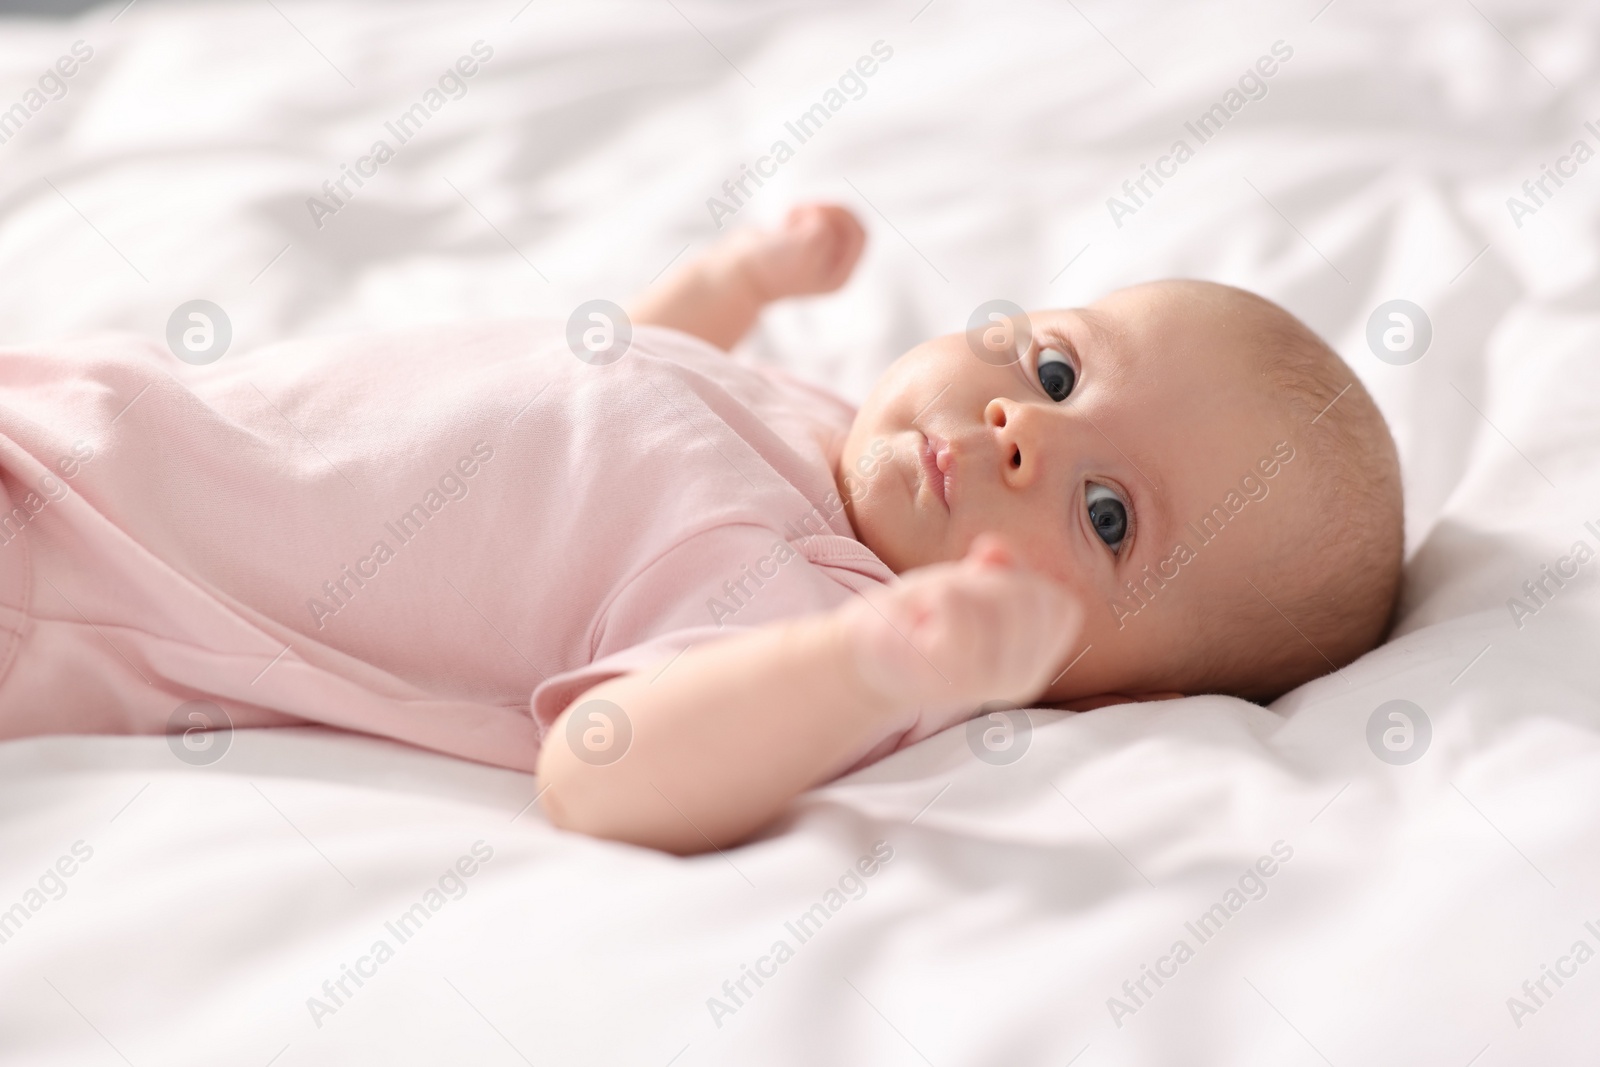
point(950, 637)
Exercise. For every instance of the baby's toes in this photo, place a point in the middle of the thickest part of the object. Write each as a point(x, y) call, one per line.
point(831, 239)
point(813, 251)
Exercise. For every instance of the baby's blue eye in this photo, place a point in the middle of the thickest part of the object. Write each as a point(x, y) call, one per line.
point(1108, 515)
point(1056, 374)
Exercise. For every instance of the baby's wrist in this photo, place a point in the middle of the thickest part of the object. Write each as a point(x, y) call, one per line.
point(881, 663)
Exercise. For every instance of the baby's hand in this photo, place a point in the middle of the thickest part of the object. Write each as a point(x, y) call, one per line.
point(951, 637)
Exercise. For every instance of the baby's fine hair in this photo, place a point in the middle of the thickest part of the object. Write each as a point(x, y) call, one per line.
point(1334, 573)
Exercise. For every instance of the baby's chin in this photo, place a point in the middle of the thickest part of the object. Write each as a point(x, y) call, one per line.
point(893, 551)
point(900, 544)
point(893, 538)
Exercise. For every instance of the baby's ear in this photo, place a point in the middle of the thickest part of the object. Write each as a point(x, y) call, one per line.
point(1105, 700)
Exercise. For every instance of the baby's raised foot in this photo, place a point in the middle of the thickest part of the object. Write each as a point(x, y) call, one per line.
point(813, 251)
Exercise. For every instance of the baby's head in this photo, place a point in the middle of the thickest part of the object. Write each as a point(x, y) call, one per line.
point(1202, 470)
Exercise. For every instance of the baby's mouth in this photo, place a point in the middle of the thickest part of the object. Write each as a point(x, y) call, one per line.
point(936, 461)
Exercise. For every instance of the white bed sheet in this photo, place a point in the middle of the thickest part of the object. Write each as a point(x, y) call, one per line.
point(1020, 898)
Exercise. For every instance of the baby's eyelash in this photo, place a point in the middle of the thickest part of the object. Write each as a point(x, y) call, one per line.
point(1133, 523)
point(1044, 340)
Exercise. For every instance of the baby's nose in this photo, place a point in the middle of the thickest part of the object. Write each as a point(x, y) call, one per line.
point(1018, 445)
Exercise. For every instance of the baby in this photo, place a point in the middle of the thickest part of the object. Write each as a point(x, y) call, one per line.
point(682, 587)
point(1179, 489)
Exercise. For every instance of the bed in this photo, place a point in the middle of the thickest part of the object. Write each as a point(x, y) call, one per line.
point(1395, 864)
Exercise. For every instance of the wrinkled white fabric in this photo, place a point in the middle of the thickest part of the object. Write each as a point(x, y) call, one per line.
point(1019, 898)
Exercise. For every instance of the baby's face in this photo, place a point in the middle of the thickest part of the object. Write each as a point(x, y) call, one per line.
point(1119, 424)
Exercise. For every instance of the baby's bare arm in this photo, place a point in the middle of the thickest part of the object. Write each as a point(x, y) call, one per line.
point(731, 731)
point(721, 740)
point(718, 295)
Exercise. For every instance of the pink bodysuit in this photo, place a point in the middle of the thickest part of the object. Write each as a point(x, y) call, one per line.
point(441, 536)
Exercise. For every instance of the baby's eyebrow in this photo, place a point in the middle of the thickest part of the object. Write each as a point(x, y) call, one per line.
point(1101, 326)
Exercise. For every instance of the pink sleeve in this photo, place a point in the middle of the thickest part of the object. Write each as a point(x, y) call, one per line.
point(553, 694)
point(682, 598)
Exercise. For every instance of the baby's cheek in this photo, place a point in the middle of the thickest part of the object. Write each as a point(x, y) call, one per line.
point(1042, 554)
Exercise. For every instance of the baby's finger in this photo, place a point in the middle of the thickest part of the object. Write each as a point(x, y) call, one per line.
point(990, 550)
